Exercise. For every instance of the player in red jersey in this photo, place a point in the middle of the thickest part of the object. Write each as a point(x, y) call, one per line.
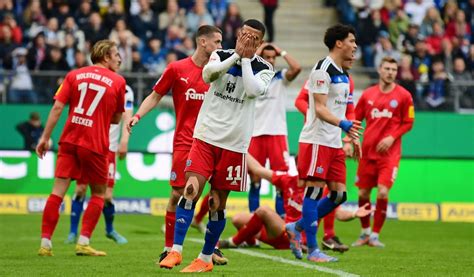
point(389, 113)
point(265, 224)
point(95, 95)
point(184, 79)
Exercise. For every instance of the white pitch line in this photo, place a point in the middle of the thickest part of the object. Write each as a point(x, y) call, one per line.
point(286, 261)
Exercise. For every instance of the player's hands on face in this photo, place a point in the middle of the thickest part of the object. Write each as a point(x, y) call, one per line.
point(363, 211)
point(122, 150)
point(134, 120)
point(42, 147)
point(240, 44)
point(251, 44)
point(356, 130)
point(385, 144)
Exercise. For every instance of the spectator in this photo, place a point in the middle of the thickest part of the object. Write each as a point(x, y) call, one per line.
point(70, 27)
point(7, 44)
point(62, 12)
point(54, 61)
point(434, 41)
point(464, 92)
point(436, 96)
point(218, 10)
point(174, 38)
point(137, 64)
point(231, 25)
point(171, 56)
point(6, 7)
point(172, 16)
point(33, 18)
point(124, 47)
point(36, 52)
point(82, 15)
point(398, 26)
point(470, 60)
point(185, 49)
point(145, 23)
point(121, 27)
point(21, 86)
point(407, 76)
point(449, 11)
point(416, 9)
point(406, 42)
point(447, 54)
point(432, 16)
point(198, 16)
point(368, 29)
point(459, 27)
point(384, 48)
point(114, 13)
point(69, 50)
point(95, 30)
point(154, 57)
point(10, 22)
point(269, 8)
point(51, 32)
point(31, 131)
point(79, 60)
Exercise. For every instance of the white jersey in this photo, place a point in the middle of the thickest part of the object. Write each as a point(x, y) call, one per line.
point(114, 133)
point(270, 111)
point(326, 78)
point(227, 113)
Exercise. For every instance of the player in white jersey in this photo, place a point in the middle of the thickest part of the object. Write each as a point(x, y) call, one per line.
point(81, 187)
point(269, 139)
point(221, 139)
point(321, 157)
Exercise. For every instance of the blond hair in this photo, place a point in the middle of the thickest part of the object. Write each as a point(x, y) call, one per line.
point(101, 49)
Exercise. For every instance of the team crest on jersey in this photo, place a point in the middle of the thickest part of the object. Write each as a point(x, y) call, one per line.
point(173, 176)
point(230, 87)
point(188, 163)
point(393, 103)
point(319, 170)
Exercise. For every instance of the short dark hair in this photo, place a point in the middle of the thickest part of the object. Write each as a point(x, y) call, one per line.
point(254, 23)
point(337, 32)
point(268, 48)
point(206, 30)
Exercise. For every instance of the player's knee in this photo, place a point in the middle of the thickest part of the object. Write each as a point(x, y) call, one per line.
point(382, 193)
point(81, 190)
point(262, 211)
point(98, 190)
point(314, 193)
point(214, 202)
point(364, 194)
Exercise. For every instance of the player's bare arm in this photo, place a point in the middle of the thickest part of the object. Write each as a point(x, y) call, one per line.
point(147, 105)
point(294, 67)
point(125, 136)
point(256, 168)
point(54, 114)
point(343, 215)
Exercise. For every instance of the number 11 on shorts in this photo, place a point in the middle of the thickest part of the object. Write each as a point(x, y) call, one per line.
point(238, 173)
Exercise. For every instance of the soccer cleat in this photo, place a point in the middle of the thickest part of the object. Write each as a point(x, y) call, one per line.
point(218, 257)
point(162, 256)
point(71, 238)
point(87, 250)
point(199, 226)
point(319, 257)
point(375, 242)
point(171, 260)
point(226, 243)
point(45, 252)
point(295, 240)
point(362, 240)
point(118, 238)
point(198, 265)
point(334, 244)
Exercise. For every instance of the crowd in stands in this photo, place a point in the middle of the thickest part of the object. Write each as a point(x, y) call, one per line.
point(57, 35)
point(431, 39)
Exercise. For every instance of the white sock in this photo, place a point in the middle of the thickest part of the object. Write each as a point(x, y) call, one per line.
point(366, 231)
point(374, 235)
point(178, 248)
point(167, 249)
point(46, 243)
point(83, 240)
point(205, 258)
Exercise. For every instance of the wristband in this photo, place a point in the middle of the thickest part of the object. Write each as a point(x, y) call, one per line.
point(283, 53)
point(138, 116)
point(345, 125)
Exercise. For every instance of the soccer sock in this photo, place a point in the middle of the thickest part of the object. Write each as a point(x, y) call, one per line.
point(215, 227)
point(365, 221)
point(109, 212)
point(330, 202)
point(50, 216)
point(250, 230)
point(92, 215)
point(310, 216)
point(170, 221)
point(204, 209)
point(300, 224)
point(380, 214)
point(184, 216)
point(77, 206)
point(329, 225)
point(279, 207)
point(254, 196)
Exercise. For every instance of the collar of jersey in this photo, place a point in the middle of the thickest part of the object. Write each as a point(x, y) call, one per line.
point(335, 65)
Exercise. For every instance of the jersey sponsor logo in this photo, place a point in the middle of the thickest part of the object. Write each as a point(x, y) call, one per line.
point(394, 103)
point(411, 112)
point(82, 121)
point(191, 94)
point(230, 87)
point(340, 102)
point(184, 79)
point(376, 113)
point(228, 97)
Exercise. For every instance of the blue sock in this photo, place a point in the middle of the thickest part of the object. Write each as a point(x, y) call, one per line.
point(279, 204)
point(109, 212)
point(310, 216)
point(77, 207)
point(299, 224)
point(215, 227)
point(184, 216)
point(254, 196)
point(329, 203)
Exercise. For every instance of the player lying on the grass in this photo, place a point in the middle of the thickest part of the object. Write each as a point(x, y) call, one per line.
point(121, 148)
point(265, 224)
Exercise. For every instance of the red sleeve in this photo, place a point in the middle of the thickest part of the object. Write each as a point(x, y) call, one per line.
point(408, 116)
point(360, 108)
point(164, 84)
point(121, 98)
point(17, 35)
point(64, 91)
point(350, 114)
point(302, 101)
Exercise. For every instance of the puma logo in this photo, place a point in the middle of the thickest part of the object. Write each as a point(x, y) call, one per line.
point(184, 80)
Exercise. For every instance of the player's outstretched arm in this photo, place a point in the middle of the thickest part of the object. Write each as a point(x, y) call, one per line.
point(54, 114)
point(147, 105)
point(343, 215)
point(256, 168)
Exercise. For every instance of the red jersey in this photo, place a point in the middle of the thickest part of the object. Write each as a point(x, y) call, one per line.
point(94, 95)
point(385, 114)
point(184, 79)
point(292, 195)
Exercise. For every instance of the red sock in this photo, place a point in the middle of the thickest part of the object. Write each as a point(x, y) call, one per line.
point(249, 231)
point(365, 221)
point(329, 225)
point(203, 210)
point(380, 214)
point(92, 215)
point(170, 220)
point(50, 216)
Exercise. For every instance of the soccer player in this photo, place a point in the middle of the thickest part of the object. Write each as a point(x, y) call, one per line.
point(221, 139)
point(115, 146)
point(321, 157)
point(184, 79)
point(389, 113)
point(269, 139)
point(95, 95)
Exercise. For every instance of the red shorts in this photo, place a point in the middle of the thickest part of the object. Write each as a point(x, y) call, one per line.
point(371, 173)
point(280, 242)
point(80, 163)
point(177, 177)
point(226, 169)
point(274, 148)
point(321, 162)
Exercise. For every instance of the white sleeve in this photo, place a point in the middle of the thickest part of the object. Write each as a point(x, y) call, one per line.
point(283, 77)
point(128, 98)
point(215, 68)
point(255, 85)
point(319, 82)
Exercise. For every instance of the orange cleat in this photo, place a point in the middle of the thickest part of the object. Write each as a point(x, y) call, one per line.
point(173, 259)
point(198, 265)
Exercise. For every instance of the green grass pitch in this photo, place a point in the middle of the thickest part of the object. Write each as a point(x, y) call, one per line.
point(413, 249)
